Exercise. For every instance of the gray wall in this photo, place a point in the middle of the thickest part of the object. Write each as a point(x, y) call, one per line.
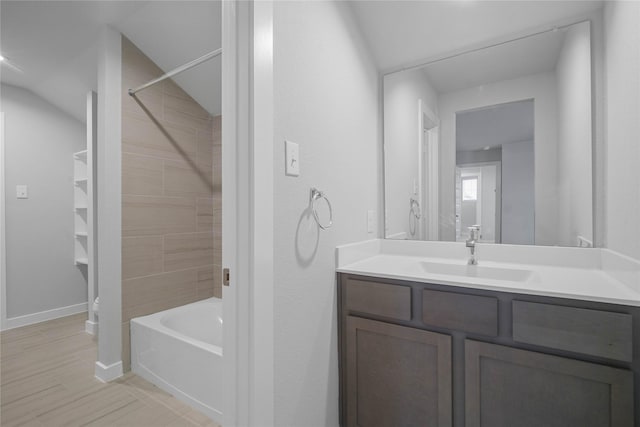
point(326, 99)
point(39, 142)
point(622, 86)
point(518, 202)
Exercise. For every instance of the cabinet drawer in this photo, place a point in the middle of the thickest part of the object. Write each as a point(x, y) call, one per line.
point(380, 299)
point(592, 332)
point(468, 313)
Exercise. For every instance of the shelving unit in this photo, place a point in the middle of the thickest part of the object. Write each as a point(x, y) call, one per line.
point(83, 211)
point(81, 199)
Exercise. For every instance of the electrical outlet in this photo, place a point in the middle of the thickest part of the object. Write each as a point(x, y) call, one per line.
point(22, 192)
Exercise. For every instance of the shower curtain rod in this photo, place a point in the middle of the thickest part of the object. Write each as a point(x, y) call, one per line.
point(178, 70)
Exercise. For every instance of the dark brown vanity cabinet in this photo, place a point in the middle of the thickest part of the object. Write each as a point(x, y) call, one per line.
point(396, 376)
point(416, 354)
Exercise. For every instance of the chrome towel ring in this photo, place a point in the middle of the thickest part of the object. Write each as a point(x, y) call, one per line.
point(313, 198)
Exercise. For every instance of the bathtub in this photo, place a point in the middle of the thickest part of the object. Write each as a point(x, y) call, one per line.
point(180, 351)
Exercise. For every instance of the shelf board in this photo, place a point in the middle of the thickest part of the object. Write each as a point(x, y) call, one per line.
point(83, 261)
point(81, 208)
point(81, 234)
point(80, 180)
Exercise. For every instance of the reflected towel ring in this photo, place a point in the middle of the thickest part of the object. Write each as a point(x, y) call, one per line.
point(315, 196)
point(414, 206)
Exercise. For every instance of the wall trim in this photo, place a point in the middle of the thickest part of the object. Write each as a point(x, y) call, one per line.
point(106, 373)
point(91, 327)
point(43, 316)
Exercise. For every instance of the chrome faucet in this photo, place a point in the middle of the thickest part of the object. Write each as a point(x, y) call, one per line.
point(474, 231)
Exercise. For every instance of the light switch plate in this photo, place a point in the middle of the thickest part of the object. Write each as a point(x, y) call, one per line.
point(22, 192)
point(292, 158)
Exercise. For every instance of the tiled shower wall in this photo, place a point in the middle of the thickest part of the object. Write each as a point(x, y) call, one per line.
point(171, 196)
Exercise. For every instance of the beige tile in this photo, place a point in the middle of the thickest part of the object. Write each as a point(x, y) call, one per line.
point(188, 250)
point(217, 130)
point(87, 408)
point(171, 88)
point(187, 178)
point(204, 139)
point(206, 279)
point(204, 212)
point(147, 103)
point(125, 416)
point(142, 256)
point(56, 386)
point(145, 215)
point(217, 212)
point(150, 294)
point(217, 168)
point(141, 175)
point(217, 281)
point(20, 412)
point(174, 115)
point(188, 107)
point(158, 139)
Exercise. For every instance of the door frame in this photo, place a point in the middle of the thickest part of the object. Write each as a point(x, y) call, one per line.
point(428, 172)
point(247, 212)
point(3, 249)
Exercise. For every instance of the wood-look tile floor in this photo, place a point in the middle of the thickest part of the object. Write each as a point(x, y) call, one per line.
point(47, 380)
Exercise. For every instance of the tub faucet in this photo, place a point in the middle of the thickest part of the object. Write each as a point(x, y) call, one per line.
point(471, 243)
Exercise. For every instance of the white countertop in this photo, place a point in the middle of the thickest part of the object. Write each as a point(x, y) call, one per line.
point(585, 274)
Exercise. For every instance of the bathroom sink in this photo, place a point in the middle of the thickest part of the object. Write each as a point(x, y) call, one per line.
point(476, 271)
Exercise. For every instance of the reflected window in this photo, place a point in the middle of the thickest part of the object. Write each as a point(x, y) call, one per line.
point(470, 189)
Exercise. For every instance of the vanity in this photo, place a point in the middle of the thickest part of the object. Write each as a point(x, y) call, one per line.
point(530, 336)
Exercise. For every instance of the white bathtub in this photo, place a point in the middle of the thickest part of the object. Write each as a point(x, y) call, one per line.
point(180, 351)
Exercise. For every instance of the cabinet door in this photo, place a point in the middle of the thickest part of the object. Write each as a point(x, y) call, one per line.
point(508, 387)
point(396, 376)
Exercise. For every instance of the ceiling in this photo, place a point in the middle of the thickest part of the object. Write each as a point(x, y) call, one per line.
point(494, 126)
point(527, 56)
point(54, 44)
point(406, 33)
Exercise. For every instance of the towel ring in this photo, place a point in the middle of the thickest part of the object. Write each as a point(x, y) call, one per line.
point(315, 196)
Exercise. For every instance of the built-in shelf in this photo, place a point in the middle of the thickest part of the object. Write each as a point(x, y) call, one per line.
point(83, 208)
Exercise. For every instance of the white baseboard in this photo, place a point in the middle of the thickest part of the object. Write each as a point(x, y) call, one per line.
point(91, 327)
point(108, 373)
point(43, 316)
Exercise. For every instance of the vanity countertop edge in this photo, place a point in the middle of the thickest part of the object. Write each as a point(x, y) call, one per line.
point(594, 274)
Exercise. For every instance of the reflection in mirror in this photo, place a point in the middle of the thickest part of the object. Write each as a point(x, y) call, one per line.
point(503, 142)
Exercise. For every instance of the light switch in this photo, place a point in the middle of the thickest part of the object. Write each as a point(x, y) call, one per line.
point(292, 158)
point(371, 221)
point(21, 192)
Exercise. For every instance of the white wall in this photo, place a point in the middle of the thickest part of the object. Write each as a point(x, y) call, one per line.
point(518, 182)
point(326, 92)
point(622, 126)
point(542, 89)
point(40, 141)
point(575, 182)
point(401, 94)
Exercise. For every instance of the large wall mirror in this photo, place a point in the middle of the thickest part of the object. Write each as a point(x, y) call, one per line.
point(502, 141)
